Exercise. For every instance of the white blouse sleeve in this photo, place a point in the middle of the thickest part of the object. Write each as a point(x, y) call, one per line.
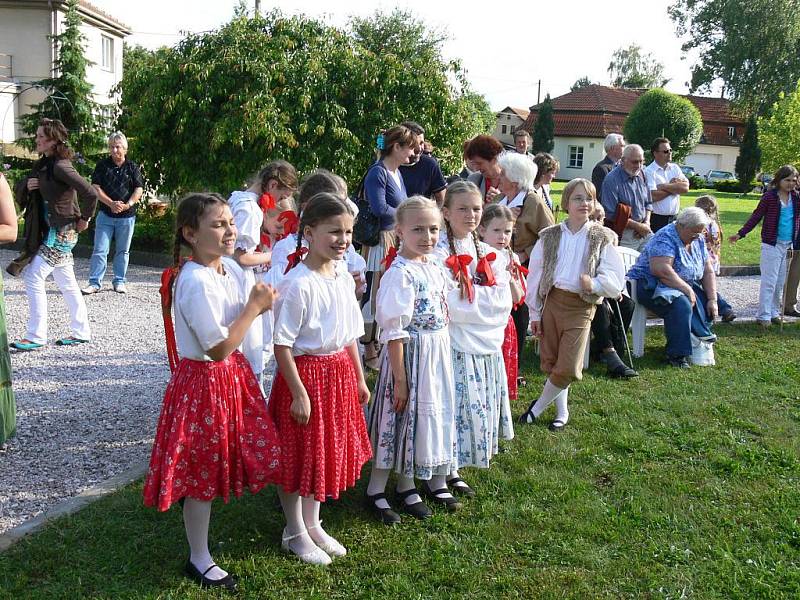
point(248, 218)
point(290, 314)
point(610, 279)
point(395, 304)
point(203, 305)
point(534, 277)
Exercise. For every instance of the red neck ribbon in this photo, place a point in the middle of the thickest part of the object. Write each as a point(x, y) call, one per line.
point(521, 273)
point(458, 265)
point(484, 269)
point(390, 256)
point(295, 258)
point(290, 222)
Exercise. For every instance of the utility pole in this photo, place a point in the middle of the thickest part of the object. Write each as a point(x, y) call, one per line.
point(258, 7)
point(539, 92)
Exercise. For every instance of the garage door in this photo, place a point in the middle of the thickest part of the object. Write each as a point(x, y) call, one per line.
point(703, 163)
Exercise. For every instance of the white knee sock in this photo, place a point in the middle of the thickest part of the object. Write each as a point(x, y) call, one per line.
point(549, 394)
point(562, 411)
point(377, 484)
point(196, 516)
point(439, 482)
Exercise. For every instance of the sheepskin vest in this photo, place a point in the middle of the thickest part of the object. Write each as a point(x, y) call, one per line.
point(550, 238)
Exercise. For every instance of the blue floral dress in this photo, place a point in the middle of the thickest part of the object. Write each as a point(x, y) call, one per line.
point(417, 442)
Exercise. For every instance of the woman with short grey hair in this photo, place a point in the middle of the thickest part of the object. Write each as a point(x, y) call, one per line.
point(517, 173)
point(675, 279)
point(119, 185)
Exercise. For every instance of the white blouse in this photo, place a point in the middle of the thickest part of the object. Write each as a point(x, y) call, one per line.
point(248, 216)
point(478, 327)
point(283, 248)
point(573, 252)
point(516, 202)
point(206, 304)
point(317, 314)
point(397, 295)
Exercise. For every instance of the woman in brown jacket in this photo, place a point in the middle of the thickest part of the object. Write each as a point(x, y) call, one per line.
point(60, 187)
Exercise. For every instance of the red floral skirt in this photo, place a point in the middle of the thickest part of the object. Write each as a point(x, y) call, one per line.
point(214, 435)
point(325, 456)
point(510, 358)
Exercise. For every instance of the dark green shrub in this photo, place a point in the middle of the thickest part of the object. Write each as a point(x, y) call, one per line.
point(696, 182)
point(728, 185)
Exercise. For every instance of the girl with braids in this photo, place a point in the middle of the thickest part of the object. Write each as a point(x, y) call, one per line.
point(275, 183)
point(214, 435)
point(316, 396)
point(411, 418)
point(479, 307)
point(497, 226)
point(714, 245)
point(58, 188)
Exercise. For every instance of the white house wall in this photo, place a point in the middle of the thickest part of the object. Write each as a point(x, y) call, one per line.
point(707, 157)
point(592, 154)
point(511, 122)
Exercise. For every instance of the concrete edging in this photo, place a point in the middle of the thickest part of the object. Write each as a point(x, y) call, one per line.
point(72, 505)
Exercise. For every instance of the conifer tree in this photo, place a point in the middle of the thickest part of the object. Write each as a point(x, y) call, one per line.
point(544, 128)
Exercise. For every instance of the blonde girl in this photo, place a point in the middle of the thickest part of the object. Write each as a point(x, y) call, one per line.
point(708, 204)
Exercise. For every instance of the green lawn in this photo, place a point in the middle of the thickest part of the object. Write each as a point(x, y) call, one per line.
point(680, 484)
point(735, 209)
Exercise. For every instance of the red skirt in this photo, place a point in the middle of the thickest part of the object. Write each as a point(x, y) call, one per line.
point(214, 435)
point(510, 358)
point(324, 457)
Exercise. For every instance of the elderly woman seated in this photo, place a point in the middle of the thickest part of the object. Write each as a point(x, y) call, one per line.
point(674, 278)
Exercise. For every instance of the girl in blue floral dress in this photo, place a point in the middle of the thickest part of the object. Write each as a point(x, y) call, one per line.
point(411, 418)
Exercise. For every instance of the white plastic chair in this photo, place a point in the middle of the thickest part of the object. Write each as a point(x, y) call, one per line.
point(639, 320)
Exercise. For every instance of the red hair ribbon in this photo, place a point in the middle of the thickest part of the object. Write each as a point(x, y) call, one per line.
point(290, 222)
point(458, 265)
point(390, 256)
point(266, 202)
point(484, 270)
point(521, 274)
point(295, 258)
point(266, 241)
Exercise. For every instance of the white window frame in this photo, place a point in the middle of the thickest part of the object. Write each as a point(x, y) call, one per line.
point(107, 52)
point(575, 162)
point(731, 131)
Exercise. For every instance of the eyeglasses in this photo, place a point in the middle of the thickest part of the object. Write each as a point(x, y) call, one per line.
point(667, 151)
point(579, 200)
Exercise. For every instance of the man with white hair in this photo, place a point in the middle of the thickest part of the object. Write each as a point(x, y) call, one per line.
point(627, 201)
point(614, 144)
point(119, 186)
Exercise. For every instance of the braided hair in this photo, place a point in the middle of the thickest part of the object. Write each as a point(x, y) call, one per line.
point(455, 189)
point(320, 207)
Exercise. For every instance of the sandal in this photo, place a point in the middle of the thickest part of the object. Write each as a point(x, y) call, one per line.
point(460, 487)
point(418, 510)
point(528, 418)
point(25, 345)
point(70, 341)
point(449, 502)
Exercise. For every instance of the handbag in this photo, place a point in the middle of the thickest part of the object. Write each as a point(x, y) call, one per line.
point(367, 226)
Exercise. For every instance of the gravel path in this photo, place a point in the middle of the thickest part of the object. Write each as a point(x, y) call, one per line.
point(87, 413)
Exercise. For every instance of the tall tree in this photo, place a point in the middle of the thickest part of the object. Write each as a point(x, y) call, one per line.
point(630, 68)
point(749, 160)
point(659, 113)
point(69, 95)
point(544, 128)
point(580, 83)
point(752, 46)
point(779, 133)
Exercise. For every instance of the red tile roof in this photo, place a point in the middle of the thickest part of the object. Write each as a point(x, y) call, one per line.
point(522, 113)
point(597, 110)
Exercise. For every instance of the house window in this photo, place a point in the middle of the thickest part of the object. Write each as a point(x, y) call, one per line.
point(576, 157)
point(108, 53)
point(511, 129)
point(503, 128)
point(731, 131)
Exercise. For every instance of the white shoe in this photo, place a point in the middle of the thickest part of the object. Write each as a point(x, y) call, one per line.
point(316, 557)
point(120, 288)
point(333, 548)
point(89, 290)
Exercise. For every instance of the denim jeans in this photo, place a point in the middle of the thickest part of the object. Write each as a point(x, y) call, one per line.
point(680, 318)
point(106, 228)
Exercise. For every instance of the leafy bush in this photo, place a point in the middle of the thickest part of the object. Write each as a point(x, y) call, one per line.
point(155, 229)
point(696, 182)
point(728, 185)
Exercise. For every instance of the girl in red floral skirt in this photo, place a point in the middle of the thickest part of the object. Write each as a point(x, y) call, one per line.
point(214, 434)
point(320, 386)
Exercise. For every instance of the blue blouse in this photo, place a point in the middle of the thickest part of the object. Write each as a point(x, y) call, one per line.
point(688, 264)
point(383, 194)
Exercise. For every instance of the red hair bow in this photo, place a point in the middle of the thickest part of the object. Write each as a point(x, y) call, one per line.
point(290, 222)
point(265, 240)
point(458, 265)
point(390, 256)
point(484, 270)
point(295, 258)
point(266, 202)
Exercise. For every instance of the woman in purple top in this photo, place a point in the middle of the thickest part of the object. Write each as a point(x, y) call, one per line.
point(384, 190)
point(780, 209)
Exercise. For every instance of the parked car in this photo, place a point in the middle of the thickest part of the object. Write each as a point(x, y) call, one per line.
point(688, 171)
point(714, 176)
point(764, 179)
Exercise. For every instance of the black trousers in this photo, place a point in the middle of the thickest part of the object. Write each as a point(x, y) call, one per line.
point(521, 318)
point(607, 329)
point(659, 221)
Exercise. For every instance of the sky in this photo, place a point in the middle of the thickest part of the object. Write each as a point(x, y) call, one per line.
point(505, 51)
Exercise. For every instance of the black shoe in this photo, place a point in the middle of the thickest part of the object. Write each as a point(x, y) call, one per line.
point(729, 317)
point(680, 362)
point(527, 418)
point(557, 426)
point(460, 487)
point(418, 510)
point(774, 320)
point(385, 515)
point(791, 313)
point(449, 502)
point(622, 371)
point(230, 582)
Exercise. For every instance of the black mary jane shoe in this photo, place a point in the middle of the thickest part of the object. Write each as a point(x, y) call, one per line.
point(557, 426)
point(385, 515)
point(229, 583)
point(418, 510)
point(527, 418)
point(451, 503)
point(460, 487)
